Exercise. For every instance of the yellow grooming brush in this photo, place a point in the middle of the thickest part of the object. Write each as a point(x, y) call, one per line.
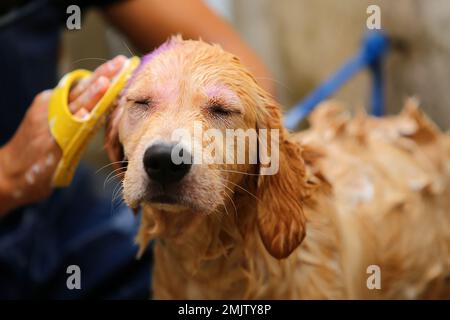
point(73, 134)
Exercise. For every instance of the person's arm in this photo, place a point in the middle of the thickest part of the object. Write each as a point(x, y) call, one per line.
point(6, 194)
point(29, 159)
point(148, 23)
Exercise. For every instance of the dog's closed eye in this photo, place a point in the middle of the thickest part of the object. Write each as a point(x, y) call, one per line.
point(219, 109)
point(139, 107)
point(142, 103)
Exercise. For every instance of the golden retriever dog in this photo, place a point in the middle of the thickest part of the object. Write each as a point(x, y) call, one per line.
point(358, 207)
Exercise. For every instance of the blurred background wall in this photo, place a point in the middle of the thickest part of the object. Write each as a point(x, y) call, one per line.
point(304, 41)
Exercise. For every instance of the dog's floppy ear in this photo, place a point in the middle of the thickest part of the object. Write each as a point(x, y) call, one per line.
point(113, 146)
point(280, 217)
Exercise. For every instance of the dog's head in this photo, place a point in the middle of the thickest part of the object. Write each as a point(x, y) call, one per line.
point(191, 125)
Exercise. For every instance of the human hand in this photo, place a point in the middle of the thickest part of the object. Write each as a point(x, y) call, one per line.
point(29, 159)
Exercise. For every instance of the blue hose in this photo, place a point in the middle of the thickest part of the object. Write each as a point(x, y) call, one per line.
point(374, 47)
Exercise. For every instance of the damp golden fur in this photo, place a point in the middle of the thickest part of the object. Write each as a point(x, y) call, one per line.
point(350, 192)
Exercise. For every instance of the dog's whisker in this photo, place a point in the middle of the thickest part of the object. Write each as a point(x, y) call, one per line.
point(128, 48)
point(115, 177)
point(229, 197)
point(110, 164)
point(116, 206)
point(112, 175)
point(225, 206)
point(242, 188)
point(112, 172)
point(232, 191)
point(87, 59)
point(232, 202)
point(114, 202)
point(235, 171)
point(117, 191)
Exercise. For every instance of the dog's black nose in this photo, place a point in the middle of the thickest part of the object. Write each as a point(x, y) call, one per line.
point(160, 166)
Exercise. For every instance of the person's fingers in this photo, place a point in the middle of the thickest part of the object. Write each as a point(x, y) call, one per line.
point(82, 113)
point(111, 68)
point(89, 98)
point(108, 70)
